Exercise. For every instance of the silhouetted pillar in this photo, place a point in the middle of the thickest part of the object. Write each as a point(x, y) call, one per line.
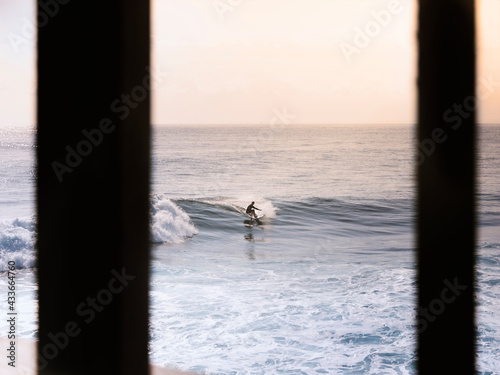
point(93, 186)
point(446, 172)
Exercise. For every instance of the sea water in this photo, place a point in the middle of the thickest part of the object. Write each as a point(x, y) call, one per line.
point(325, 283)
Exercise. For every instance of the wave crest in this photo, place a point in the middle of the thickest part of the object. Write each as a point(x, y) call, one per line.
point(169, 222)
point(239, 204)
point(17, 239)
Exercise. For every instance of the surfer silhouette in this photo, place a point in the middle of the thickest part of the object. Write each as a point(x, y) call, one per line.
point(251, 210)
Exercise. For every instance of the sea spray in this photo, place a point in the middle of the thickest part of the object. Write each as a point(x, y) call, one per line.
point(17, 239)
point(169, 222)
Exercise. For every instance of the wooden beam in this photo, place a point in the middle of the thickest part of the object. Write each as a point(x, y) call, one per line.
point(446, 187)
point(93, 186)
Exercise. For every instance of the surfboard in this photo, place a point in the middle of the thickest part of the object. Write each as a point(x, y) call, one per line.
point(253, 221)
point(256, 218)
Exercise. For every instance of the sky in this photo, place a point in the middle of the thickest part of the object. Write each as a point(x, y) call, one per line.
point(240, 61)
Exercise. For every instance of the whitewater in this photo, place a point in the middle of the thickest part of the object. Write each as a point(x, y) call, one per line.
point(326, 282)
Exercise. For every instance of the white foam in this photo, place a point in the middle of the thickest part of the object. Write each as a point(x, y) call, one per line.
point(283, 317)
point(169, 222)
point(17, 239)
point(267, 208)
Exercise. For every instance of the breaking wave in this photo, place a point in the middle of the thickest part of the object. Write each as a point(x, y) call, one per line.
point(169, 222)
point(17, 238)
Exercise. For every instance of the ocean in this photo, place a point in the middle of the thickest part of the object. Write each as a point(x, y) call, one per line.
point(323, 284)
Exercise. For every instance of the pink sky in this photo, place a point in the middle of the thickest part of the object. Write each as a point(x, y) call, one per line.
point(237, 61)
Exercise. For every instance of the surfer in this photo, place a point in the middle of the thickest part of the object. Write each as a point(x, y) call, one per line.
point(251, 210)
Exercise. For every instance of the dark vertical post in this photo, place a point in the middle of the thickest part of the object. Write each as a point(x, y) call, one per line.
point(446, 172)
point(93, 186)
